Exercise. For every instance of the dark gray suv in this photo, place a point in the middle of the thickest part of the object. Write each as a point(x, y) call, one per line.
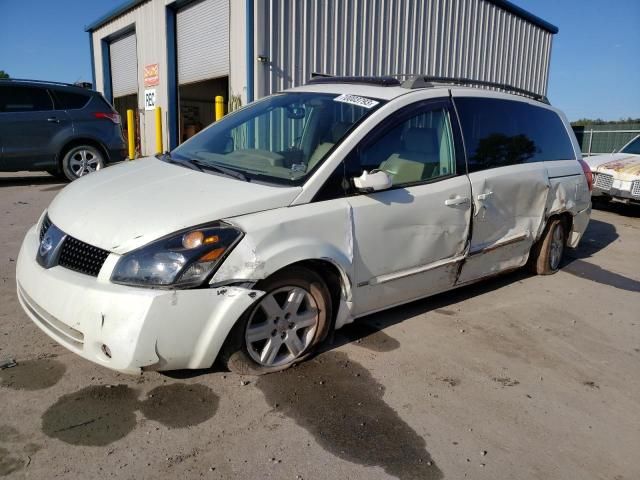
point(64, 129)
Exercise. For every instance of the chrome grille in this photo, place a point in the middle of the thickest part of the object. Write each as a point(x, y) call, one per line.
point(82, 257)
point(46, 223)
point(635, 188)
point(603, 181)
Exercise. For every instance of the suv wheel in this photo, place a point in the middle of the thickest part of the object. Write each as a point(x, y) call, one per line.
point(81, 160)
point(282, 327)
point(546, 254)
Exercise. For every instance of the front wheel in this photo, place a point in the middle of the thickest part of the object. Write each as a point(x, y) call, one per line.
point(81, 160)
point(546, 254)
point(283, 326)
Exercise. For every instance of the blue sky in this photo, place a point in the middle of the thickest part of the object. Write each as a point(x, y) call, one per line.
point(595, 67)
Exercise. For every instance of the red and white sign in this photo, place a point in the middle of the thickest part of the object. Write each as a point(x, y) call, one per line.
point(151, 75)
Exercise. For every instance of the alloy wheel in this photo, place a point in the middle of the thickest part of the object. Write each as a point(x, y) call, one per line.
point(556, 247)
point(282, 326)
point(84, 161)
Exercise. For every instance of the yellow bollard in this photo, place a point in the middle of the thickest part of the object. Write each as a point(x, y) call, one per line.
point(219, 107)
point(159, 148)
point(131, 134)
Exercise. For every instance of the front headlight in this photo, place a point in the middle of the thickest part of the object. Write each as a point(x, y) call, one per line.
point(183, 259)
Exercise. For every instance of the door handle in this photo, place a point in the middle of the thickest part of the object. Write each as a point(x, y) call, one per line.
point(484, 196)
point(456, 201)
point(53, 120)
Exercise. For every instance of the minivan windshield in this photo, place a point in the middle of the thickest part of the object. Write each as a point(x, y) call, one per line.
point(280, 139)
point(633, 147)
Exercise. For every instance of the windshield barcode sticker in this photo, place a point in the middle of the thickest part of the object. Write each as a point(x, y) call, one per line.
point(356, 100)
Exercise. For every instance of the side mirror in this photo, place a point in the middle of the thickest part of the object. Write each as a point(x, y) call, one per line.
point(373, 182)
point(229, 144)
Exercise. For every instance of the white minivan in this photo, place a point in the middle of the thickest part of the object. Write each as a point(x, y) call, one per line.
point(295, 215)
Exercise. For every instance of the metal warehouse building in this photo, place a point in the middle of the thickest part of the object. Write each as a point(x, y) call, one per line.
point(180, 55)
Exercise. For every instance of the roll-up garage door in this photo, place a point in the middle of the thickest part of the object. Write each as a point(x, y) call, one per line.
point(124, 66)
point(202, 37)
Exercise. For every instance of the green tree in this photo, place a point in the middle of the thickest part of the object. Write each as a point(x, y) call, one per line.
point(598, 121)
point(4, 74)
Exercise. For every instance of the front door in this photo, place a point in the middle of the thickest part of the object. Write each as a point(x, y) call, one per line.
point(408, 241)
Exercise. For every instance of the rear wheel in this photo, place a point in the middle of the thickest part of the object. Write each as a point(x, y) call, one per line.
point(546, 254)
point(282, 327)
point(81, 160)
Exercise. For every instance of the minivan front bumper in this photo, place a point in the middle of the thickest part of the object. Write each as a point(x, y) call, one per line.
point(127, 328)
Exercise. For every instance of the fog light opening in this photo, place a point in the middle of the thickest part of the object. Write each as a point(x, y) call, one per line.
point(106, 351)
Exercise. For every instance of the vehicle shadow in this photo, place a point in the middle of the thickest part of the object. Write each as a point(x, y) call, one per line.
point(623, 209)
point(27, 180)
point(597, 237)
point(368, 330)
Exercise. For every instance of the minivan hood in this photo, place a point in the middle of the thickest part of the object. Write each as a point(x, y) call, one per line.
point(126, 206)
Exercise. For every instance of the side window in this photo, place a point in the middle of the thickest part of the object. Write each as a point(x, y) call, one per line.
point(417, 149)
point(69, 100)
point(24, 99)
point(498, 133)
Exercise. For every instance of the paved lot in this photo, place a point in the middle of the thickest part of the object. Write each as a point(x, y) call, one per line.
point(519, 377)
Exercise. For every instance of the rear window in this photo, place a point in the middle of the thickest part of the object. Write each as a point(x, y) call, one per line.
point(70, 100)
point(16, 98)
point(498, 133)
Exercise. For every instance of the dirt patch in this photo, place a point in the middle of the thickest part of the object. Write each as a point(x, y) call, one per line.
point(9, 463)
point(96, 415)
point(180, 406)
point(178, 459)
point(100, 415)
point(342, 406)
point(452, 382)
point(33, 374)
point(8, 434)
point(506, 381)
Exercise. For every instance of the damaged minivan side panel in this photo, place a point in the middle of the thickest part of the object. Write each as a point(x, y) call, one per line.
point(511, 144)
point(509, 208)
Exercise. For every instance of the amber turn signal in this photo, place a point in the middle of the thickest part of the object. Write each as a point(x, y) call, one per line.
point(212, 255)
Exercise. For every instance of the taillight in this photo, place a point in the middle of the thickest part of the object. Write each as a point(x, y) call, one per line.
point(114, 117)
point(587, 173)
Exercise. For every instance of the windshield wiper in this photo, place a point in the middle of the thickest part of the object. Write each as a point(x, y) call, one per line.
point(166, 157)
point(219, 169)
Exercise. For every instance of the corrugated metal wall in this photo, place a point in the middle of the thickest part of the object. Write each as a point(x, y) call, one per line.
point(458, 38)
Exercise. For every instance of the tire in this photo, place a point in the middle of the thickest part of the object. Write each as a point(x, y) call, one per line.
point(268, 338)
point(81, 160)
point(546, 254)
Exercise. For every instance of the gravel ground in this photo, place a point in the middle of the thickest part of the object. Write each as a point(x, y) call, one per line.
point(518, 377)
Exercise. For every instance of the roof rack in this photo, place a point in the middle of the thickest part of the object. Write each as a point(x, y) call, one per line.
point(422, 81)
point(47, 82)
point(382, 81)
